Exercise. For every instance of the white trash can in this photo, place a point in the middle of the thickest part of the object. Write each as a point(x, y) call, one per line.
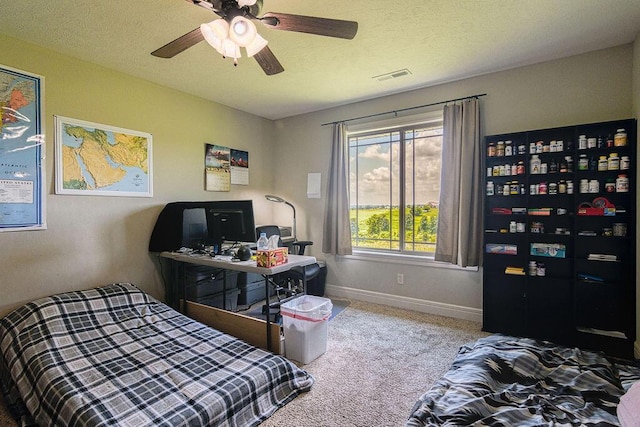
point(305, 321)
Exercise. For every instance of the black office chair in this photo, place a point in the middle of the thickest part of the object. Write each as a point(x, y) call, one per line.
point(296, 247)
point(290, 283)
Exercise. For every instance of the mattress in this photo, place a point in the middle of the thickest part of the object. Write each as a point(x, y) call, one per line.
point(116, 356)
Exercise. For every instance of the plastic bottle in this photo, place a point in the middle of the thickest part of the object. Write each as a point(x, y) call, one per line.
point(262, 243)
point(491, 150)
point(490, 188)
point(584, 185)
point(508, 148)
point(535, 164)
point(624, 162)
point(582, 142)
point(533, 268)
point(583, 163)
point(622, 184)
point(620, 138)
point(603, 164)
point(609, 141)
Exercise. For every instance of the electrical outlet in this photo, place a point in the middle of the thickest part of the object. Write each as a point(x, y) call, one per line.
point(400, 279)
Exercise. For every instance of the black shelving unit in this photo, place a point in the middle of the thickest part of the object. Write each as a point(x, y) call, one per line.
point(559, 261)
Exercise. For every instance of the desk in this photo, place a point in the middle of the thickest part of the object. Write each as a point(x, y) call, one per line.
point(224, 263)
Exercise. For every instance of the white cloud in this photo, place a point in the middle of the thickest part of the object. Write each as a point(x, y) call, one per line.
point(376, 172)
point(377, 151)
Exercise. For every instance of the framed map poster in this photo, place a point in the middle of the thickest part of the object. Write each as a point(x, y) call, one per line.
point(101, 160)
point(22, 150)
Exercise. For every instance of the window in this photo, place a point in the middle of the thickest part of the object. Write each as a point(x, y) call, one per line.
point(392, 167)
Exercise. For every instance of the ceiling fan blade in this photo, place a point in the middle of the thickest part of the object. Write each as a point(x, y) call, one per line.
point(311, 25)
point(180, 44)
point(268, 61)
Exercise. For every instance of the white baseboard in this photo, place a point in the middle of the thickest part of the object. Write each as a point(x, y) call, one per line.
point(424, 306)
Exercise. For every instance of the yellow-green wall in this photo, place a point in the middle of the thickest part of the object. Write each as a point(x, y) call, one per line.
point(94, 240)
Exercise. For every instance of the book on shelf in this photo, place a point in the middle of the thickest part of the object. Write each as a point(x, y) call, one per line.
point(500, 248)
point(501, 211)
point(590, 278)
point(540, 211)
point(602, 257)
point(518, 271)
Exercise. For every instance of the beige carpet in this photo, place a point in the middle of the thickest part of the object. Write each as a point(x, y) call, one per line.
point(379, 360)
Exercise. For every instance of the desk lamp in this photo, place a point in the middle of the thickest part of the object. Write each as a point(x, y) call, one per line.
point(277, 199)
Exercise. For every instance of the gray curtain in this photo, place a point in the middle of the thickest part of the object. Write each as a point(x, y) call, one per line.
point(459, 238)
point(337, 230)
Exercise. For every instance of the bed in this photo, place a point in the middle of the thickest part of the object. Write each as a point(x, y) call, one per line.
point(509, 381)
point(114, 355)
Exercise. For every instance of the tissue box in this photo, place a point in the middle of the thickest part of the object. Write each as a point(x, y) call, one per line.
point(272, 257)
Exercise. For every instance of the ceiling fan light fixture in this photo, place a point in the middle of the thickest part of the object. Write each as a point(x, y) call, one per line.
point(242, 31)
point(235, 28)
point(215, 33)
point(256, 45)
point(230, 49)
point(243, 3)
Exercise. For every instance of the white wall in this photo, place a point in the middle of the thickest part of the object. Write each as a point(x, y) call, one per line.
point(587, 88)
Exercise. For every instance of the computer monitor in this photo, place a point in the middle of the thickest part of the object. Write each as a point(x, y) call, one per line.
point(230, 221)
point(195, 231)
point(197, 224)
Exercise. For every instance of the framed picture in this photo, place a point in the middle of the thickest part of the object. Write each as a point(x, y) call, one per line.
point(101, 160)
point(22, 150)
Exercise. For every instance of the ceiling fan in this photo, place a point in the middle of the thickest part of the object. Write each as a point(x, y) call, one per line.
point(235, 29)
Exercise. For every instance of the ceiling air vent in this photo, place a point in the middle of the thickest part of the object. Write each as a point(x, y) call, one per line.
point(392, 75)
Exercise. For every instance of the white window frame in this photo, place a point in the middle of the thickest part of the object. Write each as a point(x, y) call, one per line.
point(424, 119)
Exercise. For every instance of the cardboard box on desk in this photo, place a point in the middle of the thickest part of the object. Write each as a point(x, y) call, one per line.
point(272, 257)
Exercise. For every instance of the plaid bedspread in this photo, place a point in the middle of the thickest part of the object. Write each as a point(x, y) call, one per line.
point(116, 356)
point(507, 381)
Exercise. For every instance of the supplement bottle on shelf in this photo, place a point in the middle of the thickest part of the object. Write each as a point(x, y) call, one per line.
point(622, 184)
point(535, 164)
point(620, 138)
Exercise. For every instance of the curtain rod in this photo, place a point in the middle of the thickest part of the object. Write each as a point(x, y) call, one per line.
point(404, 109)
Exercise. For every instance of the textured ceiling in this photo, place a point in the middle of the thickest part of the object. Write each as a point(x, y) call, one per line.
point(437, 40)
